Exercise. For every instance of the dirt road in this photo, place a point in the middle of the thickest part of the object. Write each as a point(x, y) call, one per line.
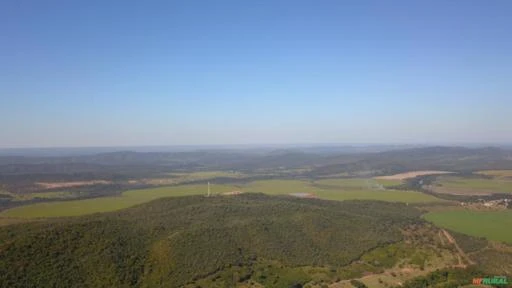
point(461, 253)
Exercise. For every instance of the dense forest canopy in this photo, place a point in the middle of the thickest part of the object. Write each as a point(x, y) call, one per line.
point(171, 242)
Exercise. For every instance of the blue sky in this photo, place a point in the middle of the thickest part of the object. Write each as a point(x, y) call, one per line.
point(115, 73)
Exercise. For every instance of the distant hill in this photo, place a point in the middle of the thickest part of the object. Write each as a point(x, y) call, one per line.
point(178, 241)
point(323, 160)
point(428, 158)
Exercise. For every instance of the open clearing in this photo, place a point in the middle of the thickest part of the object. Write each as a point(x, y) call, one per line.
point(494, 225)
point(411, 174)
point(396, 276)
point(470, 186)
point(134, 197)
point(419, 255)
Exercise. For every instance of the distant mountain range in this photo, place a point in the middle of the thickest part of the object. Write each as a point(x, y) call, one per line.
point(307, 148)
point(319, 161)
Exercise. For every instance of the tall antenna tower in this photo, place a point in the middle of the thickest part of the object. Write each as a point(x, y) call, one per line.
point(208, 188)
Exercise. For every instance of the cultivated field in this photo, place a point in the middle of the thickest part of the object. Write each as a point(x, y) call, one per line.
point(345, 189)
point(471, 186)
point(105, 204)
point(40, 195)
point(384, 195)
point(411, 174)
point(494, 225)
point(330, 189)
point(497, 173)
point(182, 178)
point(360, 183)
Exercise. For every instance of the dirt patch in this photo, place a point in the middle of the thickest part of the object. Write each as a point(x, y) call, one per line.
point(412, 174)
point(303, 195)
point(441, 238)
point(54, 185)
point(407, 270)
point(233, 193)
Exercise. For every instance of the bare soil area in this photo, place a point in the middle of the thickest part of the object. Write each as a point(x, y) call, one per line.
point(412, 174)
point(232, 193)
point(54, 185)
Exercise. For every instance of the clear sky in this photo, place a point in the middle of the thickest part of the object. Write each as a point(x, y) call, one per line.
point(111, 73)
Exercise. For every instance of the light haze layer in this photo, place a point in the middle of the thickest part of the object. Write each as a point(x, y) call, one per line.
point(114, 73)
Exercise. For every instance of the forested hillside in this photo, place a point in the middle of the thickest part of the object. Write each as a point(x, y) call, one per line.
point(178, 241)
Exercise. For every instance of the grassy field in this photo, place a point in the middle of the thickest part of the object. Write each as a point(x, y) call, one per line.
point(42, 195)
point(385, 195)
point(359, 183)
point(204, 175)
point(497, 173)
point(105, 204)
point(183, 178)
point(412, 174)
point(275, 187)
point(494, 225)
point(471, 185)
point(345, 189)
point(339, 189)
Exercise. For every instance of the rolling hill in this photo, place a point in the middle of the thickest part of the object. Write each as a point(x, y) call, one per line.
point(182, 241)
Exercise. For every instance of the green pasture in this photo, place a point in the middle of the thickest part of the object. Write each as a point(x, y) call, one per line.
point(497, 173)
point(204, 175)
point(41, 195)
point(461, 183)
point(494, 225)
point(383, 195)
point(338, 189)
point(348, 189)
point(276, 187)
point(359, 183)
point(105, 204)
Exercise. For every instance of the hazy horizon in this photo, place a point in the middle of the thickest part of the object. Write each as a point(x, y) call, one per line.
point(269, 145)
point(127, 74)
